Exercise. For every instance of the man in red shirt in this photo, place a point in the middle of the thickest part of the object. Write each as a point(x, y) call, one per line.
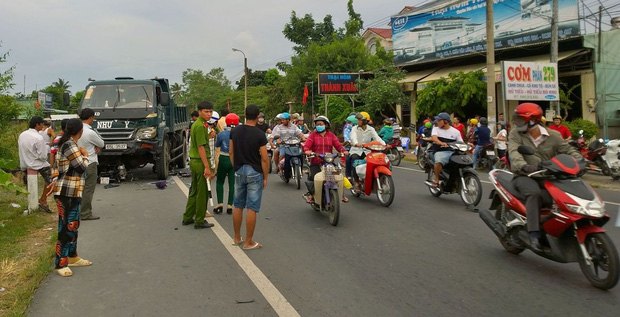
point(459, 126)
point(558, 126)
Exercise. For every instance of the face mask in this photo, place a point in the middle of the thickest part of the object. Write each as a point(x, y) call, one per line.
point(320, 128)
point(261, 120)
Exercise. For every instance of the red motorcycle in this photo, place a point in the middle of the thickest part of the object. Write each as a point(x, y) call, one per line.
point(375, 174)
point(572, 217)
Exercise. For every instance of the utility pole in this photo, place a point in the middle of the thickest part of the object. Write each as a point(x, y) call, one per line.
point(555, 105)
point(490, 66)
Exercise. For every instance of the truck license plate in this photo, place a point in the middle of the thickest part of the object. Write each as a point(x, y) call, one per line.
point(490, 153)
point(121, 146)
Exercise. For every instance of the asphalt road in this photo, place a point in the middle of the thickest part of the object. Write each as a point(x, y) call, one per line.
point(422, 256)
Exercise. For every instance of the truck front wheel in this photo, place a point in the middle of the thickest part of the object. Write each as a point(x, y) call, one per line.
point(162, 164)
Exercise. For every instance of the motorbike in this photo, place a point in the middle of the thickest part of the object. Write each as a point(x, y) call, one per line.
point(572, 217)
point(503, 163)
point(292, 149)
point(421, 154)
point(594, 152)
point(395, 153)
point(375, 174)
point(487, 157)
point(612, 158)
point(330, 181)
point(458, 176)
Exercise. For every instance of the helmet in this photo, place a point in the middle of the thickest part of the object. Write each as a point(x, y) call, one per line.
point(232, 119)
point(443, 116)
point(215, 115)
point(295, 116)
point(261, 115)
point(428, 124)
point(352, 119)
point(484, 121)
point(366, 115)
point(280, 116)
point(526, 115)
point(286, 116)
point(322, 118)
point(502, 123)
point(474, 121)
point(557, 117)
point(352, 114)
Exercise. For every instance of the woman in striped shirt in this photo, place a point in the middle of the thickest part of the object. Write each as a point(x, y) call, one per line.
point(71, 163)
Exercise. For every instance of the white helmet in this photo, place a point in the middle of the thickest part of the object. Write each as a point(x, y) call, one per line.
point(322, 118)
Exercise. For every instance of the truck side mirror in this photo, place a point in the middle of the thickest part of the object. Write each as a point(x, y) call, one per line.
point(66, 99)
point(164, 99)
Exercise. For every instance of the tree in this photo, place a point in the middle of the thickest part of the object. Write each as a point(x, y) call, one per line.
point(75, 100)
point(384, 90)
point(354, 25)
point(566, 102)
point(213, 86)
point(304, 31)
point(272, 77)
point(61, 84)
point(177, 90)
point(453, 94)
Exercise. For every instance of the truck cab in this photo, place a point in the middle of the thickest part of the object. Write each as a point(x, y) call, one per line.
point(139, 123)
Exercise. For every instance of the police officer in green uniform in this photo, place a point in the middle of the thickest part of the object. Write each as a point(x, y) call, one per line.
point(200, 166)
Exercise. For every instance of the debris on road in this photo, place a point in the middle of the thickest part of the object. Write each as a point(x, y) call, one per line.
point(245, 301)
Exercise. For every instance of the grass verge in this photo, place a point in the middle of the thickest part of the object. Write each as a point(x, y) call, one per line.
point(26, 252)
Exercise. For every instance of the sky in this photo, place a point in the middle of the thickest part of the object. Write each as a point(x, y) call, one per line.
point(75, 39)
point(101, 39)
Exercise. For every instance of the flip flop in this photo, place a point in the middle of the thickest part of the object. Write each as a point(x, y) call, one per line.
point(238, 243)
point(254, 247)
point(345, 199)
point(64, 272)
point(80, 262)
point(45, 208)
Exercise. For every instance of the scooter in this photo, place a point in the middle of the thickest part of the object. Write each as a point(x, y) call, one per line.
point(375, 174)
point(458, 176)
point(395, 153)
point(330, 180)
point(572, 217)
point(292, 149)
point(487, 157)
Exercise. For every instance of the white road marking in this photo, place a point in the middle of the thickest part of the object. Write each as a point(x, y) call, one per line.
point(486, 182)
point(271, 293)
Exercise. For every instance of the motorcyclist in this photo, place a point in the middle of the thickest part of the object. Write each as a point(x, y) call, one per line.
point(361, 134)
point(320, 141)
point(346, 133)
point(276, 152)
point(483, 138)
point(547, 143)
point(387, 132)
point(261, 124)
point(285, 132)
point(441, 135)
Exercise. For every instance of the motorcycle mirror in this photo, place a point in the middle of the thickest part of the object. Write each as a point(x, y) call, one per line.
point(526, 150)
point(580, 131)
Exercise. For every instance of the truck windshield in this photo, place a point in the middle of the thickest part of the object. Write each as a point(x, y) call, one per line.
point(119, 96)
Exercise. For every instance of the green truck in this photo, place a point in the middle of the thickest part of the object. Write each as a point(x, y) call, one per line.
point(140, 124)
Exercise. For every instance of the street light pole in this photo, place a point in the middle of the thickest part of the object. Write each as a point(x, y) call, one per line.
point(245, 71)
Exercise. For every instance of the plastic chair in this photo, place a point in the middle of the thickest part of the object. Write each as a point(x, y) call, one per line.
point(405, 143)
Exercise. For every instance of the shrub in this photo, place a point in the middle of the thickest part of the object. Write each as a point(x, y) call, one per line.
point(590, 129)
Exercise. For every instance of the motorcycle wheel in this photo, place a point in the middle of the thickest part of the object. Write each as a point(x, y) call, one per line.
point(270, 164)
point(500, 165)
point(435, 191)
point(395, 157)
point(501, 215)
point(333, 212)
point(474, 189)
point(385, 193)
point(603, 165)
point(421, 158)
point(298, 176)
point(604, 260)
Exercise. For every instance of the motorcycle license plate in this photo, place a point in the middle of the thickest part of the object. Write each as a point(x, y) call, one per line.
point(399, 148)
point(490, 153)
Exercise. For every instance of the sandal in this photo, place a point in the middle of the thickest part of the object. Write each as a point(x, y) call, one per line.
point(345, 199)
point(77, 261)
point(218, 209)
point(238, 243)
point(45, 208)
point(229, 210)
point(253, 247)
point(64, 272)
point(435, 185)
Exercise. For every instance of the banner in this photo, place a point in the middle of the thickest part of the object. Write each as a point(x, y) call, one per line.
point(530, 81)
point(305, 98)
point(338, 83)
point(437, 31)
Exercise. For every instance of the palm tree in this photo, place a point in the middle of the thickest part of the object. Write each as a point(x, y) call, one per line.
point(177, 90)
point(62, 84)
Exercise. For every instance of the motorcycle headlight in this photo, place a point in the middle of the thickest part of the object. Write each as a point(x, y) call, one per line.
point(146, 133)
point(329, 158)
point(594, 208)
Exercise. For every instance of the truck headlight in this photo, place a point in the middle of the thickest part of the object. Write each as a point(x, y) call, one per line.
point(146, 133)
